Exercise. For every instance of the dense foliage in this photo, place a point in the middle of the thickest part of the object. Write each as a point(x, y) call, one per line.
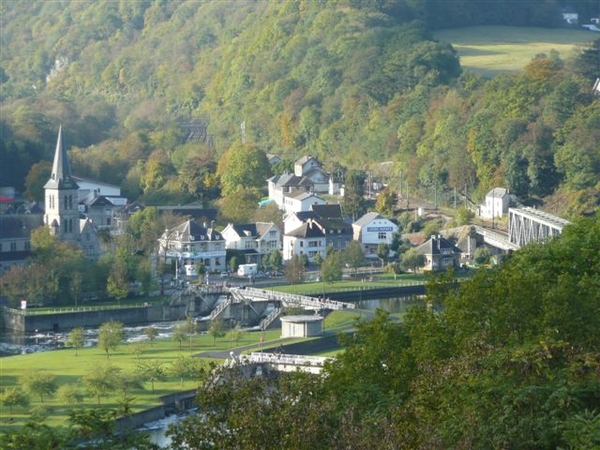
point(487, 365)
point(152, 94)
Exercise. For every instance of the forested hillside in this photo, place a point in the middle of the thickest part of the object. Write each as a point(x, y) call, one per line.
point(151, 94)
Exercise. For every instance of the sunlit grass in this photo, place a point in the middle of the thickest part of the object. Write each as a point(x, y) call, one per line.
point(68, 368)
point(491, 50)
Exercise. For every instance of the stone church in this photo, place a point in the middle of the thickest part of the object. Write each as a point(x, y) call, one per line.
point(61, 206)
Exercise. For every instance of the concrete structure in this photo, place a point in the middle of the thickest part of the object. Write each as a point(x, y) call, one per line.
point(301, 326)
point(440, 254)
point(527, 225)
point(191, 244)
point(255, 240)
point(371, 230)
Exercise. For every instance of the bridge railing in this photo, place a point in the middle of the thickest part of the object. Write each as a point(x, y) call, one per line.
point(282, 358)
point(219, 309)
point(264, 324)
point(295, 299)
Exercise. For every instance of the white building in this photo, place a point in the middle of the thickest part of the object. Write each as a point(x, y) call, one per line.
point(308, 177)
point(371, 230)
point(308, 239)
point(496, 203)
point(302, 201)
point(191, 245)
point(254, 239)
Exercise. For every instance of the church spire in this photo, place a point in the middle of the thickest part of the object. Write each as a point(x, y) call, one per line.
point(61, 169)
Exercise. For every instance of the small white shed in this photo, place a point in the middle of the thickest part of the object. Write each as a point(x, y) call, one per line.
point(301, 326)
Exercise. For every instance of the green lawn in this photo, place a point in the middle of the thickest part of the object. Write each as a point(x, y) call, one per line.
point(68, 368)
point(490, 50)
point(370, 282)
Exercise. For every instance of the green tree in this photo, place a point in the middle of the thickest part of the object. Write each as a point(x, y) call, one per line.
point(482, 255)
point(216, 330)
point(117, 283)
point(69, 395)
point(13, 396)
point(235, 334)
point(354, 203)
point(180, 334)
point(276, 260)
point(110, 336)
point(39, 383)
point(383, 252)
point(100, 381)
point(151, 333)
point(243, 166)
point(412, 260)
point(354, 256)
point(318, 259)
point(464, 216)
point(331, 269)
point(76, 338)
point(186, 367)
point(38, 176)
point(152, 371)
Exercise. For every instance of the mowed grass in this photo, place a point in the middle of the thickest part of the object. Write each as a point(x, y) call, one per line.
point(68, 369)
point(491, 50)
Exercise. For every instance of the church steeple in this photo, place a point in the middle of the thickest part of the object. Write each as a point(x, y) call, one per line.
point(61, 169)
point(62, 214)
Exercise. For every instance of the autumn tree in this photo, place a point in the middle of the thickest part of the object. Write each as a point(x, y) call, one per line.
point(243, 166)
point(294, 270)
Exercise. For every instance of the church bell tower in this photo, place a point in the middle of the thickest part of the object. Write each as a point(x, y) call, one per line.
point(62, 215)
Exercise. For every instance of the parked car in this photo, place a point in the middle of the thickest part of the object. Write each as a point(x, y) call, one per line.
point(224, 274)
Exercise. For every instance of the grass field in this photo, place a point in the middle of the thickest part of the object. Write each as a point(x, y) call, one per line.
point(68, 368)
point(491, 50)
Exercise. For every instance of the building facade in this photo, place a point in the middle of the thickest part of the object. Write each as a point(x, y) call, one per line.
point(371, 230)
point(191, 245)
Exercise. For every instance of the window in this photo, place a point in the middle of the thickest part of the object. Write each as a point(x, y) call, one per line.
point(382, 235)
point(27, 246)
point(13, 246)
point(301, 243)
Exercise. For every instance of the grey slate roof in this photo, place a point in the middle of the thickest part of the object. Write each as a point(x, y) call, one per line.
point(367, 219)
point(19, 226)
point(435, 245)
point(190, 231)
point(328, 211)
point(307, 230)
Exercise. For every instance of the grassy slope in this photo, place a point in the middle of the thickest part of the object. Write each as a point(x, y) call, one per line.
point(490, 50)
